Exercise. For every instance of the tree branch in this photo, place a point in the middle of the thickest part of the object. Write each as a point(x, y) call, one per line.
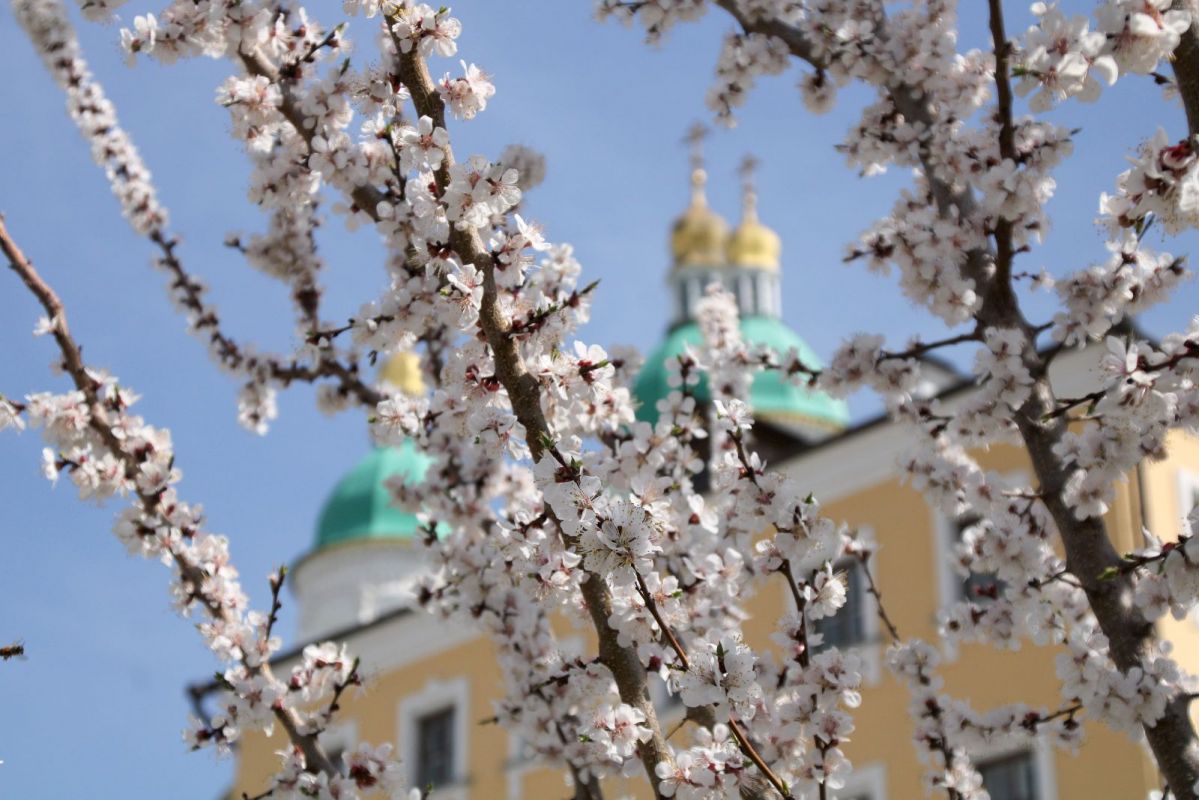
point(1089, 550)
point(74, 365)
point(1186, 66)
point(524, 393)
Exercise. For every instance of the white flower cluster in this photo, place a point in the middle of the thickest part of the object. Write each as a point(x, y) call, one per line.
point(47, 26)
point(1126, 701)
point(743, 58)
point(721, 675)
point(1169, 579)
point(1063, 57)
point(432, 32)
point(930, 255)
point(109, 452)
point(724, 359)
point(1097, 298)
point(615, 733)
point(468, 95)
point(1162, 184)
point(713, 769)
point(368, 771)
point(1142, 33)
point(546, 495)
point(1000, 365)
point(1131, 419)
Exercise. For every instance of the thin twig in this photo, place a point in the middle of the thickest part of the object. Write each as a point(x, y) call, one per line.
point(872, 588)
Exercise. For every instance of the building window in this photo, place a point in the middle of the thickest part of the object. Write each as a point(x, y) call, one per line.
point(977, 587)
point(435, 748)
point(1011, 777)
point(434, 737)
point(848, 627)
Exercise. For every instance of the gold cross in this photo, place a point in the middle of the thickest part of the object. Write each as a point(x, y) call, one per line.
point(695, 140)
point(747, 167)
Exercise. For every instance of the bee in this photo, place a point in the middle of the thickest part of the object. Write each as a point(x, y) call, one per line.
point(16, 650)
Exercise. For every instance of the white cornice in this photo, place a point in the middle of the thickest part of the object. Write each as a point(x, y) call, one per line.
point(867, 455)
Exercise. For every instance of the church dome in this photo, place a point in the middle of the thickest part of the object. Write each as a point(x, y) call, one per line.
point(361, 507)
point(402, 372)
point(699, 236)
point(772, 398)
point(754, 245)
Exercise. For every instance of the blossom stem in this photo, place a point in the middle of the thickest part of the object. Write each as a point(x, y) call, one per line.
point(752, 754)
point(667, 633)
point(872, 588)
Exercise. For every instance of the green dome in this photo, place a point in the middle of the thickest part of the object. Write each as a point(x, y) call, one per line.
point(771, 397)
point(360, 506)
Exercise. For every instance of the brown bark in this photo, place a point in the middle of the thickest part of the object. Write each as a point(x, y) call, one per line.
point(1186, 65)
point(525, 395)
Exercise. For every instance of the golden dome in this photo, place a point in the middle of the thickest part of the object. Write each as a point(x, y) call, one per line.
point(700, 234)
point(402, 372)
point(752, 243)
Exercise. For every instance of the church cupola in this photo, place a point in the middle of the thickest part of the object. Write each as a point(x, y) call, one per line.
point(747, 262)
point(366, 557)
point(703, 251)
point(753, 253)
point(753, 245)
point(699, 236)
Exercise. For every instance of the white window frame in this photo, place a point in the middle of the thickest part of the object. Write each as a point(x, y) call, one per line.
point(1042, 759)
point(869, 780)
point(871, 648)
point(516, 766)
point(949, 582)
point(436, 696)
point(343, 736)
point(1188, 486)
point(944, 540)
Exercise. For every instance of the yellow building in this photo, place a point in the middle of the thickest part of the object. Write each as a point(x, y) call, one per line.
point(432, 684)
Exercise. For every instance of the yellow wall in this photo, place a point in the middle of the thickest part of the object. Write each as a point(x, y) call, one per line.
point(1164, 514)
point(375, 713)
point(1109, 765)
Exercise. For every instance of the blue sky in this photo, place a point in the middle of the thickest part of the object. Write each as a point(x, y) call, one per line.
point(98, 708)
